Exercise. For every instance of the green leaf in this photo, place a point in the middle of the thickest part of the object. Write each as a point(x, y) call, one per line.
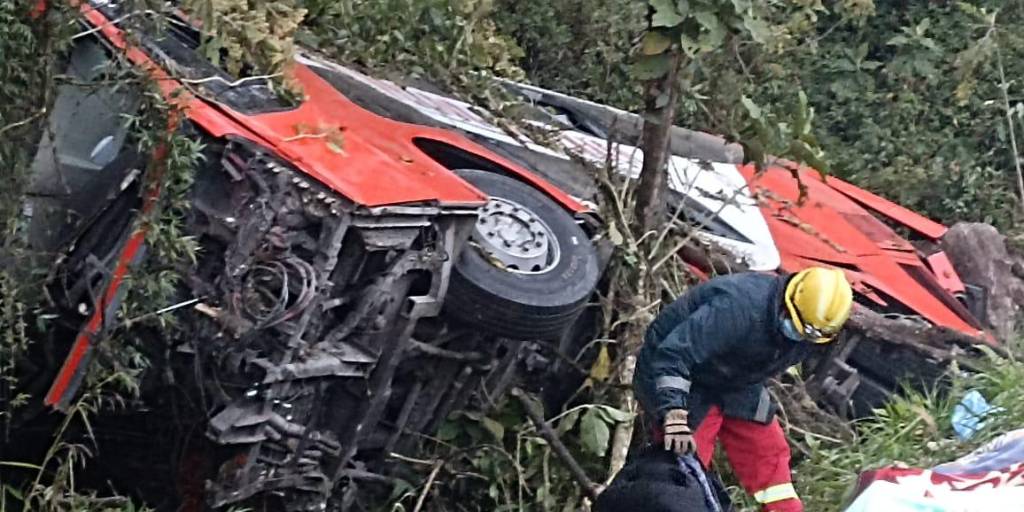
point(923, 27)
point(495, 428)
point(898, 41)
point(655, 42)
point(662, 100)
point(715, 31)
point(752, 108)
point(924, 67)
point(448, 431)
point(665, 14)
point(614, 235)
point(861, 53)
point(650, 67)
point(614, 415)
point(776, 69)
point(802, 116)
point(971, 9)
point(683, 7)
point(602, 367)
point(971, 57)
point(21, 465)
point(401, 488)
point(803, 152)
point(758, 29)
point(594, 433)
point(476, 432)
point(568, 421)
point(689, 44)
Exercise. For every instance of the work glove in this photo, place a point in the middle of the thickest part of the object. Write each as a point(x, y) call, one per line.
point(678, 437)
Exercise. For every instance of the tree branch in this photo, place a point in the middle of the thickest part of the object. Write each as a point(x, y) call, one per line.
point(559, 448)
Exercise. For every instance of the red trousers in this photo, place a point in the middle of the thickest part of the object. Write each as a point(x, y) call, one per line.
point(759, 456)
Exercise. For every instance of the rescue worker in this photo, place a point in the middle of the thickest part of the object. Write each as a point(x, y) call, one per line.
point(702, 370)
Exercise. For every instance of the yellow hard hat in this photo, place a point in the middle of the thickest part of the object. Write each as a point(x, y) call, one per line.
point(819, 302)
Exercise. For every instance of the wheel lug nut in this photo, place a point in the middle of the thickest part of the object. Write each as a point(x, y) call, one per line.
point(538, 244)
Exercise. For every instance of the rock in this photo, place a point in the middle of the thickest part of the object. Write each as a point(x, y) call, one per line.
point(981, 257)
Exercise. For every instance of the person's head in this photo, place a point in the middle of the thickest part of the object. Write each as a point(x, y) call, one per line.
point(817, 302)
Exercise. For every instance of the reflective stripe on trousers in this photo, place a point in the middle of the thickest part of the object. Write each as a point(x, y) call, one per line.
point(776, 493)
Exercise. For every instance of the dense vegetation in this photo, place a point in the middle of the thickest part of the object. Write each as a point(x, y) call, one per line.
point(908, 97)
point(918, 101)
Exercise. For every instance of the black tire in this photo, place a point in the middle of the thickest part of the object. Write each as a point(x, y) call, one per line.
point(524, 305)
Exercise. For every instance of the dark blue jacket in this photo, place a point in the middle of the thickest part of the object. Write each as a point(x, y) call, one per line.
point(717, 345)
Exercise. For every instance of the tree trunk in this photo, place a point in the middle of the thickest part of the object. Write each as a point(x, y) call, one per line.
point(659, 107)
point(660, 97)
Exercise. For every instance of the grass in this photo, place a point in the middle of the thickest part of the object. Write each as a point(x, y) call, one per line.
point(913, 429)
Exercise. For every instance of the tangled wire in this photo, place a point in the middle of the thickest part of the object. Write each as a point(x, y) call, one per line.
point(276, 291)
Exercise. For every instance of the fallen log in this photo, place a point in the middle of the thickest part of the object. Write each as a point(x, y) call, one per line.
point(937, 341)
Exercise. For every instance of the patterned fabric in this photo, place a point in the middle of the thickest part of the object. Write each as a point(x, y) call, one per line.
point(988, 479)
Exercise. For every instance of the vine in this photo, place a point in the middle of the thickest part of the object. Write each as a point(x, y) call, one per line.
point(112, 381)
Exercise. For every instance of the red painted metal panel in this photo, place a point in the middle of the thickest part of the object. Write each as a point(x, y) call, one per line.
point(375, 162)
point(829, 228)
point(70, 374)
point(379, 163)
point(943, 270)
point(889, 209)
